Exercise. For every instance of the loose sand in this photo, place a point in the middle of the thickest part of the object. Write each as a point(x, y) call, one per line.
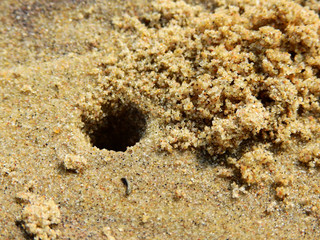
point(159, 120)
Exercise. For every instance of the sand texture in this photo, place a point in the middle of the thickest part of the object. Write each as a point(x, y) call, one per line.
point(159, 119)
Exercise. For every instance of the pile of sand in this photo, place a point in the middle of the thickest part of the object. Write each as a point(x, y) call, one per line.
point(240, 83)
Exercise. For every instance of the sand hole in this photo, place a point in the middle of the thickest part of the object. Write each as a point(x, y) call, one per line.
point(265, 99)
point(122, 127)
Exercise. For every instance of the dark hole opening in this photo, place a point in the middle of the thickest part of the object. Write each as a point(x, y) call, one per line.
point(121, 128)
point(300, 110)
point(263, 96)
point(293, 54)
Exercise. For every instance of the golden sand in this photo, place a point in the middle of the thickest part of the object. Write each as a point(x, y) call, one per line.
point(160, 120)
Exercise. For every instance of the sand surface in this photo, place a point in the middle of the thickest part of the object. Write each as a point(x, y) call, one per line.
point(159, 120)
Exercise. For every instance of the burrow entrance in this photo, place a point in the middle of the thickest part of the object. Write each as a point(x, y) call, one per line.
point(123, 126)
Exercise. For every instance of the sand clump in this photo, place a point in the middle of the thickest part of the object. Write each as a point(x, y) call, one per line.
point(74, 162)
point(38, 216)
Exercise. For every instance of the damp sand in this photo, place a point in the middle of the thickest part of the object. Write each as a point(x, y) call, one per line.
point(160, 120)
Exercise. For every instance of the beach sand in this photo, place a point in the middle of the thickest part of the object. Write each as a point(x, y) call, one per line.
point(159, 120)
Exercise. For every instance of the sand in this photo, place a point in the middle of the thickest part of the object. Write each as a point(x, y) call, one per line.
point(159, 120)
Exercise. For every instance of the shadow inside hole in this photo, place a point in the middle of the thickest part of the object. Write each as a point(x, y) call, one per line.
point(26, 235)
point(121, 128)
point(265, 99)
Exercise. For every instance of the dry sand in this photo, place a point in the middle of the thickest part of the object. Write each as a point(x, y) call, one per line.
point(159, 120)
